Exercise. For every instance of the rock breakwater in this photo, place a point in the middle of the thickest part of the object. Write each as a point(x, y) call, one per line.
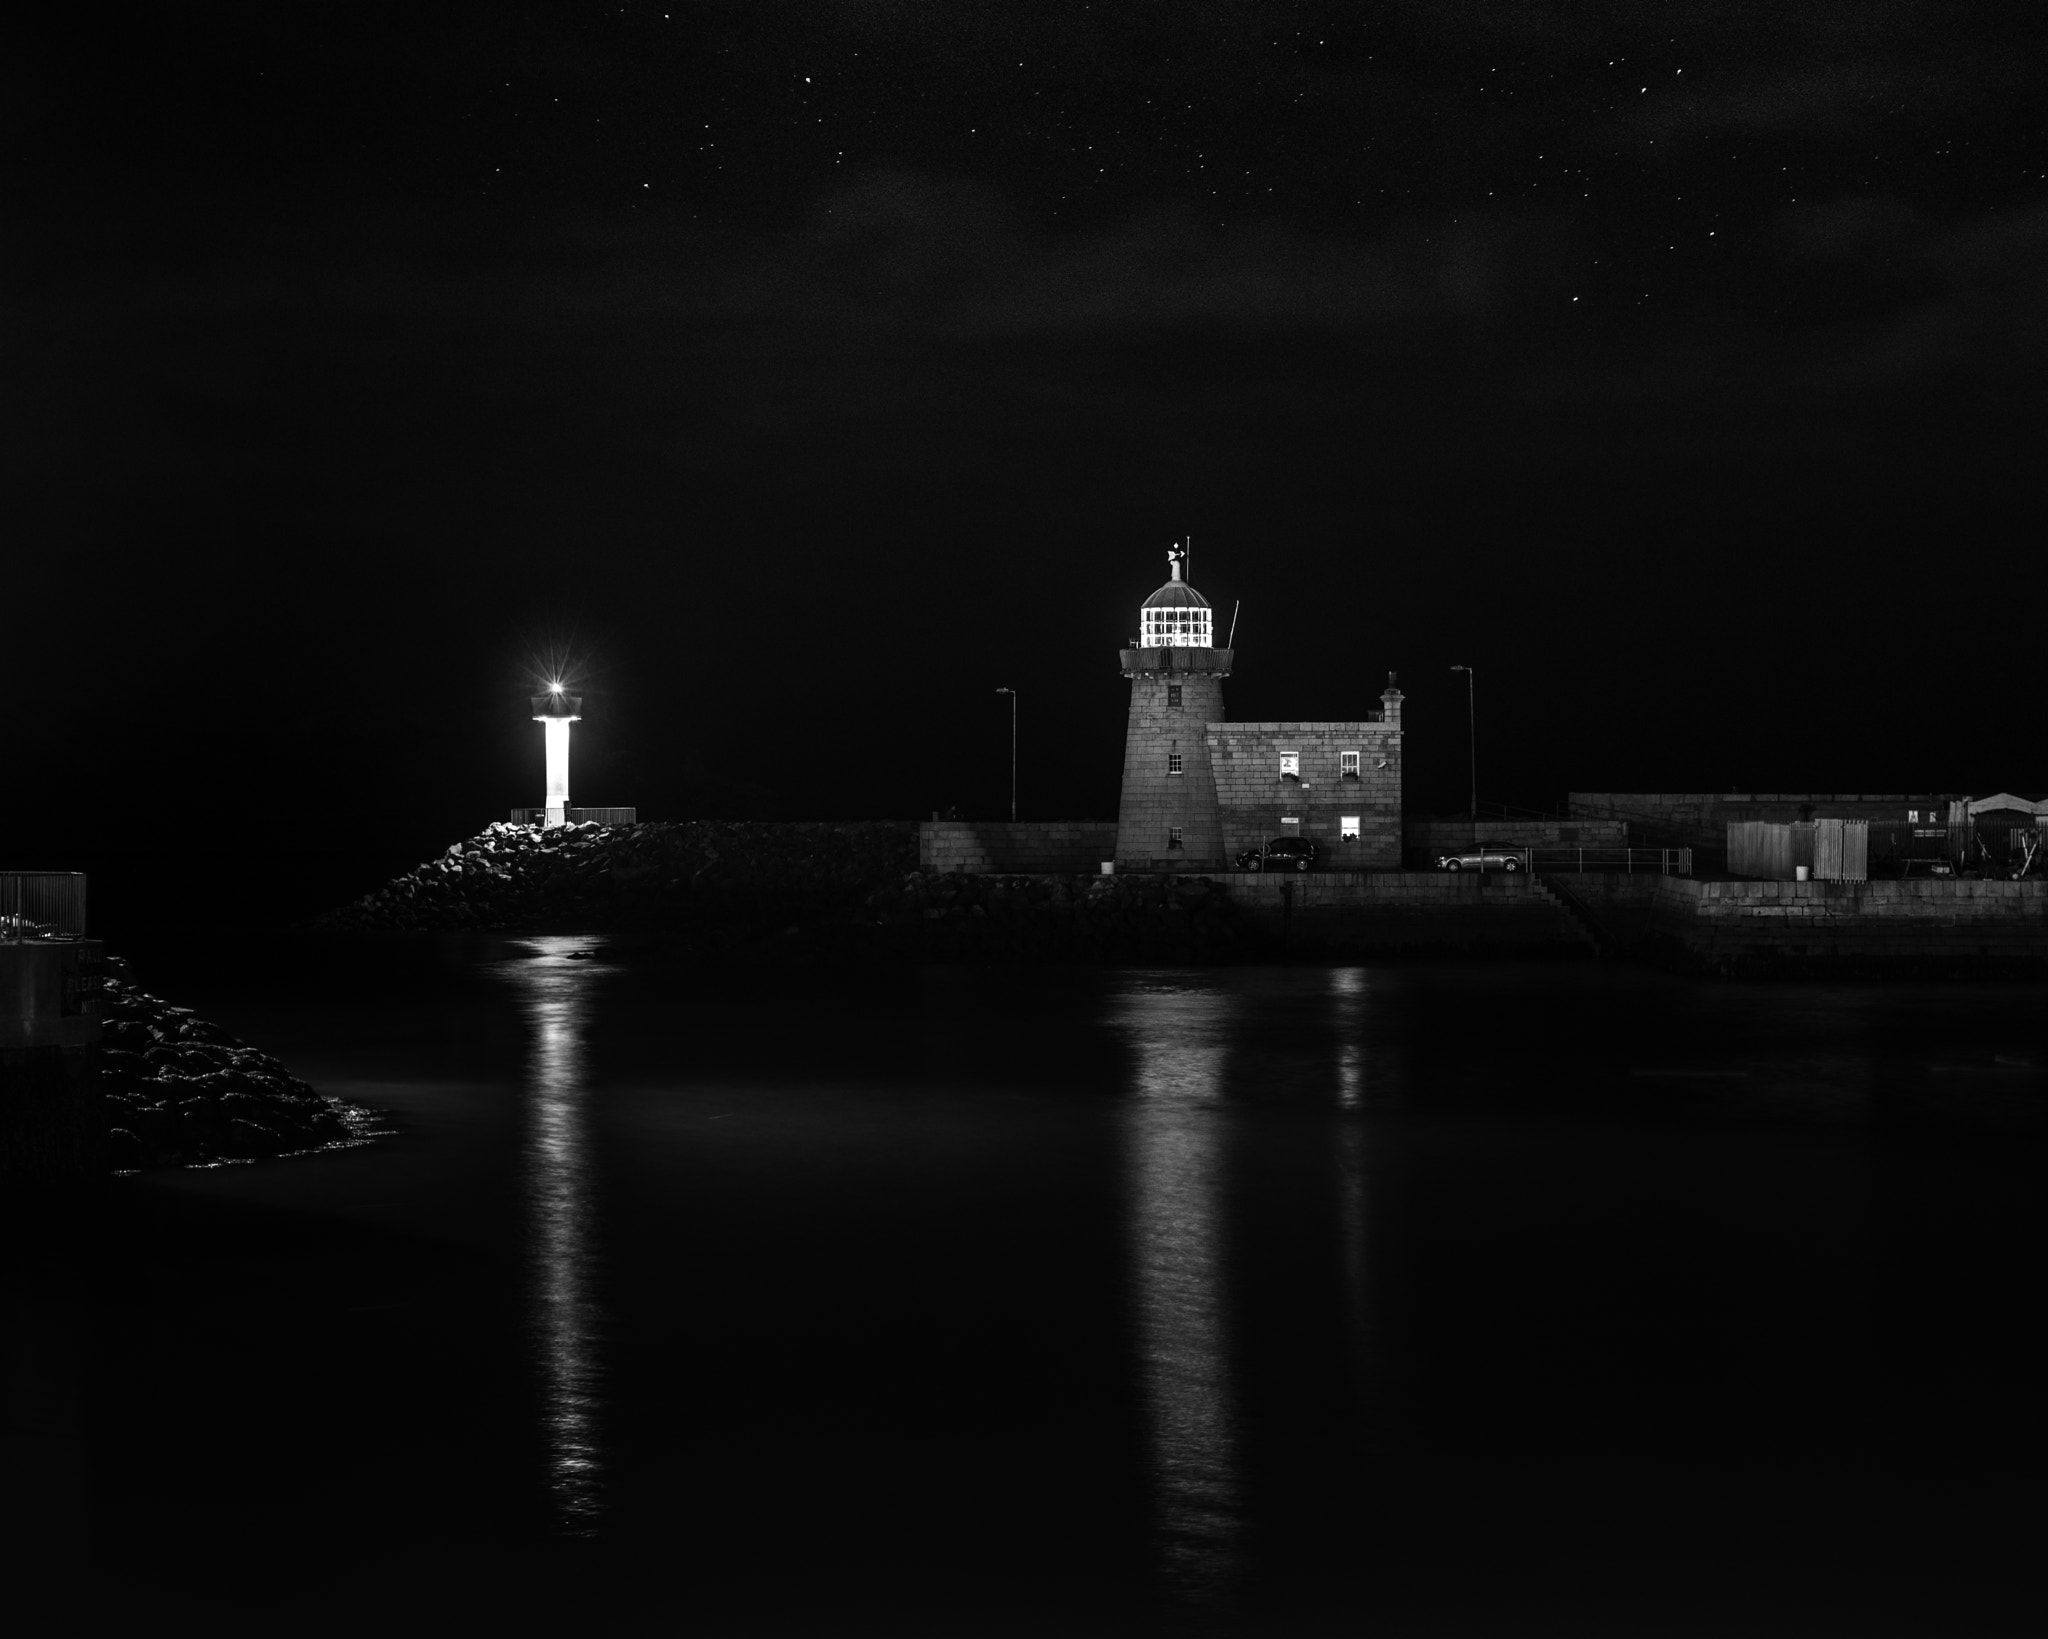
point(713, 890)
point(182, 1091)
point(524, 879)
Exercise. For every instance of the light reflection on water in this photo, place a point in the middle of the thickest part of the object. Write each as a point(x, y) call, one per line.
point(1643, 1185)
point(564, 1315)
point(1176, 1130)
point(1349, 987)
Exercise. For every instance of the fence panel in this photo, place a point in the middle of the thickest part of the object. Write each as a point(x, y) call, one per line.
point(1767, 848)
point(1827, 849)
point(1749, 848)
point(42, 904)
point(579, 816)
point(1841, 850)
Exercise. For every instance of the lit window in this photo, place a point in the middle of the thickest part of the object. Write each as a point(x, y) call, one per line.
point(1175, 629)
point(1173, 696)
point(1348, 765)
point(1173, 762)
point(1173, 836)
point(1347, 827)
point(1290, 765)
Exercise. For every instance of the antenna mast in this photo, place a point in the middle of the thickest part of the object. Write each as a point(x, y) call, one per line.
point(1231, 641)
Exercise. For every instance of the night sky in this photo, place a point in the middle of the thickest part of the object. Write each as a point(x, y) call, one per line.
point(798, 374)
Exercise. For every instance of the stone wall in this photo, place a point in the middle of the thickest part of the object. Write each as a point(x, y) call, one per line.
point(1254, 799)
point(1026, 846)
point(1213, 917)
point(1910, 926)
point(1615, 905)
point(1393, 911)
point(53, 1121)
point(1435, 836)
point(52, 1117)
point(950, 917)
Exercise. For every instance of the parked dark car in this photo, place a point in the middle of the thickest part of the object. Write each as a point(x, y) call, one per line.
point(1281, 854)
point(1492, 857)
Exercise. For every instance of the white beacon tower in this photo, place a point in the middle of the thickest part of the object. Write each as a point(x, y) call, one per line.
point(555, 711)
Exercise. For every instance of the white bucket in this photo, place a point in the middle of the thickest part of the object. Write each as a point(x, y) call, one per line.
point(1801, 873)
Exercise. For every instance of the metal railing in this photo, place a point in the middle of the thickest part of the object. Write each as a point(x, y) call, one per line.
point(579, 816)
point(42, 904)
point(1634, 861)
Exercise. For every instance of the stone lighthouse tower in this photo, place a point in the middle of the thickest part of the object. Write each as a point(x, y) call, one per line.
point(1168, 816)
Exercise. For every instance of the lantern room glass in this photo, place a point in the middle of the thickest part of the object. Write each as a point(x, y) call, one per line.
point(1181, 627)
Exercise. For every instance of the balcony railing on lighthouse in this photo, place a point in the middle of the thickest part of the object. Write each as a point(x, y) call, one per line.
point(42, 904)
point(578, 816)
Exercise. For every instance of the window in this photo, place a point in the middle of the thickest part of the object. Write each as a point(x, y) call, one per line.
point(1173, 697)
point(1173, 836)
point(1347, 827)
point(1290, 765)
point(1173, 762)
point(1176, 628)
point(1348, 765)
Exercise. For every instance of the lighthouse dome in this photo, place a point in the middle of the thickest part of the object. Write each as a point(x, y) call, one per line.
point(1176, 616)
point(1176, 594)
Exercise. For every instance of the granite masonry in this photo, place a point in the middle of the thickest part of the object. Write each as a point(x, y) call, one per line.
point(1167, 817)
point(1937, 928)
point(1198, 789)
point(1429, 837)
point(1015, 846)
point(1338, 783)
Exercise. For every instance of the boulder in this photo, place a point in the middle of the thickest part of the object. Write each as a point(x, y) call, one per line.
point(241, 1106)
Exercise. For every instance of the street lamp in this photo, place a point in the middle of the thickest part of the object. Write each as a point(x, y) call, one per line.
point(1012, 693)
point(1472, 732)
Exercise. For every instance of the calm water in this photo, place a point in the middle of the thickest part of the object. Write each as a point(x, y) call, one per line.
point(1427, 1299)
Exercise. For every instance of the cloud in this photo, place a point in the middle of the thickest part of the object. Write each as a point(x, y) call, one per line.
point(1847, 99)
point(930, 306)
point(899, 251)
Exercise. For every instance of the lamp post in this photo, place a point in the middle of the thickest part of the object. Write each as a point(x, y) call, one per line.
point(1012, 693)
point(1472, 740)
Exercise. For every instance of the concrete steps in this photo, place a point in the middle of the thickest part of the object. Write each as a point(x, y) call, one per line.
point(1575, 913)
